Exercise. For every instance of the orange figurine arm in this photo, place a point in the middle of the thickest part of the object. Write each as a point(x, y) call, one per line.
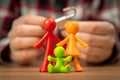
point(83, 44)
point(38, 44)
point(63, 42)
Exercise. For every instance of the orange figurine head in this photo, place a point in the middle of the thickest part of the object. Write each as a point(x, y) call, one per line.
point(72, 27)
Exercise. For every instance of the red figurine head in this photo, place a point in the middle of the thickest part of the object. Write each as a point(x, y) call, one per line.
point(49, 24)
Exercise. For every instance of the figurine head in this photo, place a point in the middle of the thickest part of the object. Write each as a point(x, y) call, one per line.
point(49, 24)
point(72, 27)
point(59, 51)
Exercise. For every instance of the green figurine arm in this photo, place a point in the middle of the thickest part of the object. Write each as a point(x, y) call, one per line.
point(67, 59)
point(51, 59)
point(63, 42)
point(83, 44)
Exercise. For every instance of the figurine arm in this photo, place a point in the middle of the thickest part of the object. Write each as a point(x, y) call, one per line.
point(67, 59)
point(39, 43)
point(63, 42)
point(56, 38)
point(51, 59)
point(83, 44)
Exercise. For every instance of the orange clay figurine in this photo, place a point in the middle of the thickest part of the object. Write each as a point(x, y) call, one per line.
point(49, 25)
point(72, 28)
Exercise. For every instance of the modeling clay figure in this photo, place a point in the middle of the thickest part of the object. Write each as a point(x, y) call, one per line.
point(49, 25)
point(72, 28)
point(59, 67)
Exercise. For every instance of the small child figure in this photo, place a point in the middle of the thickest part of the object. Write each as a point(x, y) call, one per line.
point(59, 67)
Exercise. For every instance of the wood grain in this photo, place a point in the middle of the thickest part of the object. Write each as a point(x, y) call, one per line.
point(31, 72)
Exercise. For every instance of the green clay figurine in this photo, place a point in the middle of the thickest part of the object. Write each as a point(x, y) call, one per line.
point(59, 66)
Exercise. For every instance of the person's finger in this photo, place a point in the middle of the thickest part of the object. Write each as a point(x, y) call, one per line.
point(25, 55)
point(95, 54)
point(23, 43)
point(96, 27)
point(92, 50)
point(97, 40)
point(26, 31)
point(96, 58)
point(29, 19)
point(91, 59)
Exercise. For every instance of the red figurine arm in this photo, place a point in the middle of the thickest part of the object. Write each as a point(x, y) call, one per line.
point(56, 38)
point(38, 44)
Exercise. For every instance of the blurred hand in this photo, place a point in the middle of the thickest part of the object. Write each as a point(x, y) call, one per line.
point(99, 35)
point(25, 32)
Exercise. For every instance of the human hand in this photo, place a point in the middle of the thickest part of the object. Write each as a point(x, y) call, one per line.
point(26, 31)
point(99, 35)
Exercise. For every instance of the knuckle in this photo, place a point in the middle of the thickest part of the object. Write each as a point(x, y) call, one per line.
point(88, 50)
point(26, 18)
point(9, 35)
point(11, 43)
point(19, 30)
point(110, 26)
point(93, 28)
point(112, 29)
point(24, 56)
point(89, 39)
point(112, 42)
point(16, 42)
point(14, 22)
point(19, 58)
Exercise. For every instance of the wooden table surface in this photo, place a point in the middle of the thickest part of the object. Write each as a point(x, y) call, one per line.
point(31, 72)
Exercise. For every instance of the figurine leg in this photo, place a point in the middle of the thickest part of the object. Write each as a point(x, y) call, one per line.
point(66, 68)
point(50, 68)
point(77, 65)
point(44, 65)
